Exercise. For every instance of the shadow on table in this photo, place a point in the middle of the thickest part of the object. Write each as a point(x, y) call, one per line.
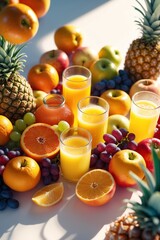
point(74, 220)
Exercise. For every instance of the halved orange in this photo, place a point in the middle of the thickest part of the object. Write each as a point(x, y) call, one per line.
point(49, 195)
point(40, 140)
point(96, 187)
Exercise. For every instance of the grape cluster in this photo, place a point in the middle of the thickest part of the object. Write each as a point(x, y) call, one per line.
point(50, 170)
point(6, 196)
point(19, 126)
point(121, 81)
point(118, 140)
point(6, 154)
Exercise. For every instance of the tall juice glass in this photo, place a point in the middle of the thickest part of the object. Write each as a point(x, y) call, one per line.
point(93, 116)
point(76, 85)
point(75, 153)
point(144, 114)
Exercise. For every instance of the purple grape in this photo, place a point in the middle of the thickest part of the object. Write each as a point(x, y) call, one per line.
point(105, 157)
point(132, 145)
point(55, 177)
point(131, 136)
point(101, 147)
point(123, 131)
point(95, 151)
point(46, 162)
point(100, 164)
point(3, 204)
point(45, 172)
point(2, 152)
point(111, 148)
point(4, 159)
point(11, 154)
point(47, 180)
point(6, 193)
point(93, 160)
point(54, 169)
point(117, 134)
point(109, 138)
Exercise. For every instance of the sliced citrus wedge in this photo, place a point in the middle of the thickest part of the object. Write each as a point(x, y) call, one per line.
point(96, 187)
point(40, 140)
point(49, 195)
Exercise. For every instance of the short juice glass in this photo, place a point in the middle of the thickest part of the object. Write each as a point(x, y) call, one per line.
point(75, 153)
point(93, 116)
point(76, 85)
point(144, 114)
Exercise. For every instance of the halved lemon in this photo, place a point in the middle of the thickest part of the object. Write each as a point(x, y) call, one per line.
point(96, 187)
point(49, 195)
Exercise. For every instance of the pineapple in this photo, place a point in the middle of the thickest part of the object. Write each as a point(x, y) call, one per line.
point(143, 221)
point(142, 59)
point(16, 95)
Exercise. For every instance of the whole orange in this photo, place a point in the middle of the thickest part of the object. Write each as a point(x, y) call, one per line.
point(68, 38)
point(22, 173)
point(40, 7)
point(5, 129)
point(43, 77)
point(18, 23)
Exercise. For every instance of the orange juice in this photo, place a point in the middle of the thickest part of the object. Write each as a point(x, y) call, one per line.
point(94, 118)
point(75, 87)
point(74, 157)
point(143, 119)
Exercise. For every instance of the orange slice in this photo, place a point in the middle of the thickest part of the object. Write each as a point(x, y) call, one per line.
point(39, 140)
point(96, 187)
point(49, 195)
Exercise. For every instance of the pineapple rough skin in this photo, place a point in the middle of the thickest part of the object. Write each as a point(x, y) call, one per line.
point(16, 97)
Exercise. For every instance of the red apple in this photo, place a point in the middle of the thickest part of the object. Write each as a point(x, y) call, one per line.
point(144, 148)
point(118, 100)
point(122, 163)
point(57, 58)
point(157, 130)
point(84, 56)
point(145, 85)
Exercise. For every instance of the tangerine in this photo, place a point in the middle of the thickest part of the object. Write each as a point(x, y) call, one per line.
point(6, 128)
point(96, 187)
point(39, 140)
point(43, 77)
point(49, 195)
point(22, 173)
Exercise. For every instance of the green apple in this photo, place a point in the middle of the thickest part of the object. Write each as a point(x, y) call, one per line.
point(102, 69)
point(117, 121)
point(110, 53)
point(39, 95)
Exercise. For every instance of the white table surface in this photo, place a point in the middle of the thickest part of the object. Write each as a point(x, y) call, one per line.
point(102, 22)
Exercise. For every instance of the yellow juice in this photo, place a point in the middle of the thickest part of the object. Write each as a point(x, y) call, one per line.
point(143, 119)
point(94, 118)
point(75, 157)
point(75, 88)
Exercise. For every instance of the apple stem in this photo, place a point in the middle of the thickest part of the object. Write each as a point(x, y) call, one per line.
point(131, 156)
point(24, 163)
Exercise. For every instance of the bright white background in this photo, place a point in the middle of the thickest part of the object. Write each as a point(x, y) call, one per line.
point(102, 22)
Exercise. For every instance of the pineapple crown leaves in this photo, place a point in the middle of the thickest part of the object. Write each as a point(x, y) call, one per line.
point(11, 58)
point(148, 209)
point(149, 22)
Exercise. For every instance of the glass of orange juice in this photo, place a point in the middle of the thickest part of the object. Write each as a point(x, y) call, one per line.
point(145, 110)
point(93, 115)
point(76, 85)
point(75, 153)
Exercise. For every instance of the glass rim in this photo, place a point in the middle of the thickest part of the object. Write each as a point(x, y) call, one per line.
point(57, 97)
point(80, 67)
point(74, 129)
point(146, 92)
point(94, 97)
